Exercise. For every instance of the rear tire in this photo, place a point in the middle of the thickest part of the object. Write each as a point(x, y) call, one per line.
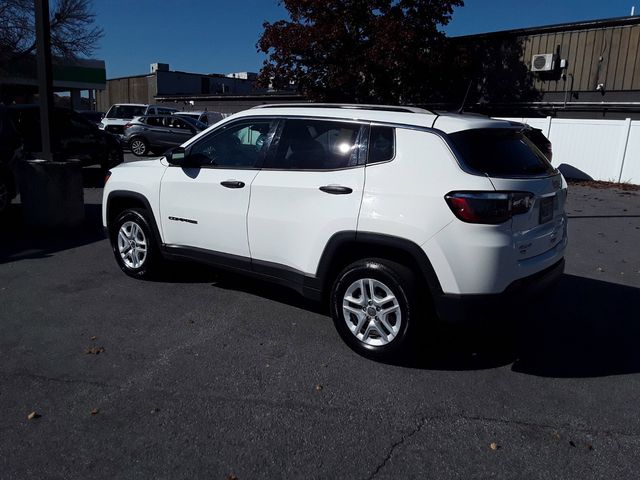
point(139, 146)
point(134, 244)
point(373, 306)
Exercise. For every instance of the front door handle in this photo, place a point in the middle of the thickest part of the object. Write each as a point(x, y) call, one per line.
point(336, 189)
point(232, 184)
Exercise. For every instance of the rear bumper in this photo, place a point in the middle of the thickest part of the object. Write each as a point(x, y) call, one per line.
point(454, 308)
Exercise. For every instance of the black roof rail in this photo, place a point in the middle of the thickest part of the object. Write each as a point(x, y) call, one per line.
point(353, 106)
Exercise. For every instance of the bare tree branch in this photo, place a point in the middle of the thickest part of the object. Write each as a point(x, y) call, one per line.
point(73, 32)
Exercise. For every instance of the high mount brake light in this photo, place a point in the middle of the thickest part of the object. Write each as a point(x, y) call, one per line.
point(489, 208)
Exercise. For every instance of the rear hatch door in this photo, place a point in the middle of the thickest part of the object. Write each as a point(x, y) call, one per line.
point(513, 164)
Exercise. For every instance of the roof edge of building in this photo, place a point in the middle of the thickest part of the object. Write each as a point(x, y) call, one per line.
point(571, 26)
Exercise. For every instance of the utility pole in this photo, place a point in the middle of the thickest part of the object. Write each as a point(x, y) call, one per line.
point(45, 75)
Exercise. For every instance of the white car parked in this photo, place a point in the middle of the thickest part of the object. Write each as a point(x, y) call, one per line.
point(394, 215)
point(122, 113)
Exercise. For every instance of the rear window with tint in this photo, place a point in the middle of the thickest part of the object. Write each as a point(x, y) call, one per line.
point(500, 153)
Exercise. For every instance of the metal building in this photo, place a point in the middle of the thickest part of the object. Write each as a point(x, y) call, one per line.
point(585, 69)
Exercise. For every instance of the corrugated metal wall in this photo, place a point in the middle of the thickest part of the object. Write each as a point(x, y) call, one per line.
point(604, 55)
point(127, 90)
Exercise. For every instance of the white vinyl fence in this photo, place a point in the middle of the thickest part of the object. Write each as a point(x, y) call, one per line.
point(597, 149)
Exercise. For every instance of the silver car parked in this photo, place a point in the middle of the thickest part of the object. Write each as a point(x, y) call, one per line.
point(158, 133)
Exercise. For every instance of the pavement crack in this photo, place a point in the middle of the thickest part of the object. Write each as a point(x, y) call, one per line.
point(416, 429)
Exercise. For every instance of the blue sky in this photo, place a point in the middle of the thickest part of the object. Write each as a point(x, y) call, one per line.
point(215, 36)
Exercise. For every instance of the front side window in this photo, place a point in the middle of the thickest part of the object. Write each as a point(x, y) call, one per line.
point(316, 145)
point(241, 145)
point(180, 123)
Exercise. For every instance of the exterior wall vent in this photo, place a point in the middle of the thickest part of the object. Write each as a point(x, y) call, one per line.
point(542, 62)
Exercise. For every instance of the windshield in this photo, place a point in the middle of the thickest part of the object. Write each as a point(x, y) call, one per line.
point(500, 152)
point(126, 111)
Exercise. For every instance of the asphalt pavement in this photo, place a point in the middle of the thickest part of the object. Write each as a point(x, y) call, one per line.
point(208, 375)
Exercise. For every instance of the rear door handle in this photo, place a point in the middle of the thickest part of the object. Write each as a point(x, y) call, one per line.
point(336, 189)
point(232, 184)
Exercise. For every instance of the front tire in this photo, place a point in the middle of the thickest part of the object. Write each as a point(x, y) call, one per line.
point(134, 245)
point(139, 147)
point(373, 308)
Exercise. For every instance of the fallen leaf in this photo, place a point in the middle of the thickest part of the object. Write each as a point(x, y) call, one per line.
point(571, 442)
point(94, 350)
point(589, 446)
point(232, 477)
point(318, 387)
point(33, 415)
point(95, 411)
point(154, 411)
point(556, 435)
point(494, 446)
point(93, 337)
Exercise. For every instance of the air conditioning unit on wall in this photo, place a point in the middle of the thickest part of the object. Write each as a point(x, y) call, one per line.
point(543, 62)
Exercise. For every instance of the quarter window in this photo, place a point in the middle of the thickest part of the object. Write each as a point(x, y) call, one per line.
point(316, 145)
point(241, 145)
point(381, 144)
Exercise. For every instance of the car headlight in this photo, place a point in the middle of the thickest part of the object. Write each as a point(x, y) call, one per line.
point(101, 126)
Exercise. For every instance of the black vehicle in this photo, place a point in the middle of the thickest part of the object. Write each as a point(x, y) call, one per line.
point(10, 153)
point(73, 137)
point(158, 133)
point(93, 117)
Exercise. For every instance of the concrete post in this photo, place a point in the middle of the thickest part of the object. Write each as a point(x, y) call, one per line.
point(75, 99)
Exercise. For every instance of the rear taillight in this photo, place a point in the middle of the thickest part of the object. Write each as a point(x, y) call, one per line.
point(127, 125)
point(488, 207)
point(107, 176)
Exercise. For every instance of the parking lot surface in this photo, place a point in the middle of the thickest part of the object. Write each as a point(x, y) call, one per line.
point(207, 375)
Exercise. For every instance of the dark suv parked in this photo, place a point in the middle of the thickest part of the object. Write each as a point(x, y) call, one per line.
point(158, 133)
point(73, 137)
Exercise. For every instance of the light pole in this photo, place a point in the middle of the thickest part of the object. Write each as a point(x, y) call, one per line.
point(45, 75)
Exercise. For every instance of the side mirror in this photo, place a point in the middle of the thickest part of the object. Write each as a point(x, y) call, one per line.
point(176, 156)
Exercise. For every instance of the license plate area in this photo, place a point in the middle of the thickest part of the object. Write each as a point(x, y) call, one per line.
point(546, 209)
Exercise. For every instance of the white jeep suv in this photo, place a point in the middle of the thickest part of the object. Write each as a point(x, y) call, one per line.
point(394, 215)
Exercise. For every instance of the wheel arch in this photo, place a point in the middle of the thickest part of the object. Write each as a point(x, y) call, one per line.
point(344, 248)
point(120, 200)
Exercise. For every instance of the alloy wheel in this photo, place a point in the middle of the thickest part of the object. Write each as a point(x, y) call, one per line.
point(372, 312)
point(138, 147)
point(132, 245)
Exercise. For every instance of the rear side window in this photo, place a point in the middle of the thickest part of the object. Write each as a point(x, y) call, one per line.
point(316, 145)
point(381, 144)
point(155, 121)
point(500, 153)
